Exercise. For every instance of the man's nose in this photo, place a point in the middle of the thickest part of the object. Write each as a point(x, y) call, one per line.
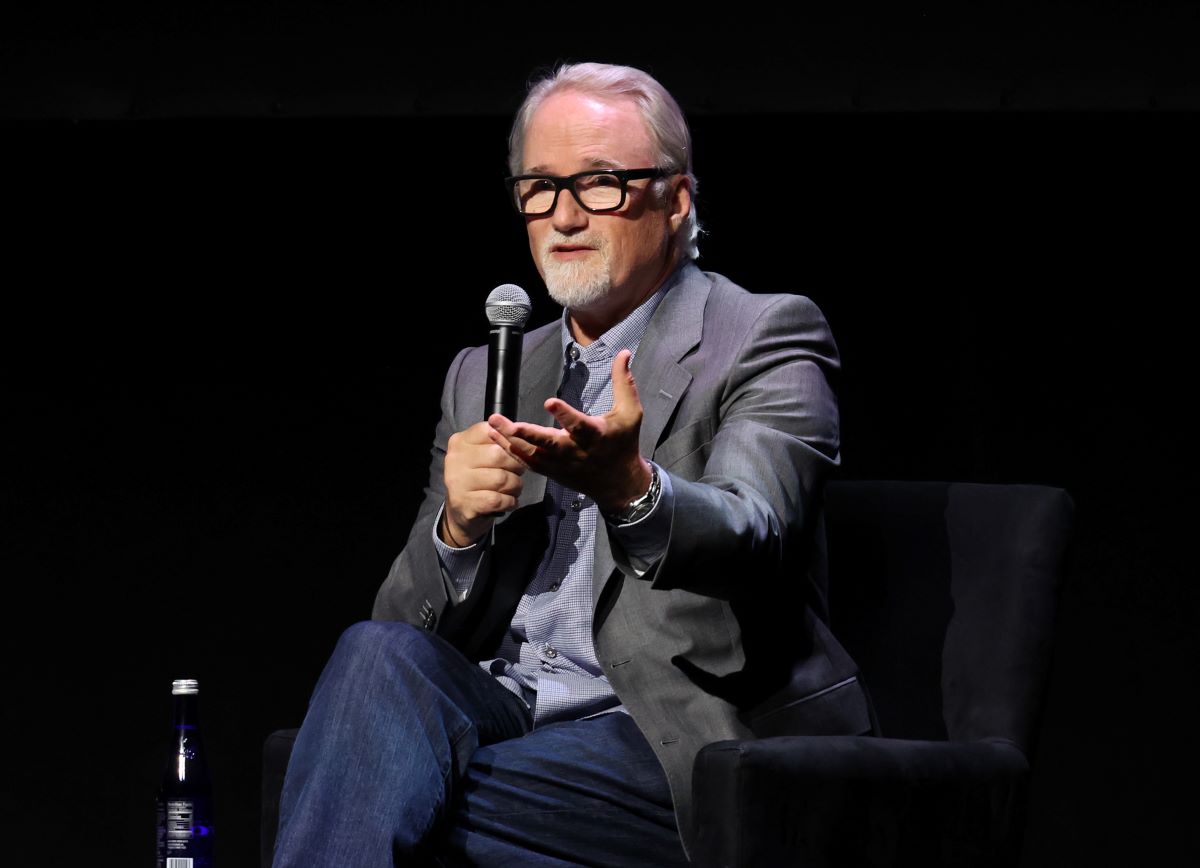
point(568, 216)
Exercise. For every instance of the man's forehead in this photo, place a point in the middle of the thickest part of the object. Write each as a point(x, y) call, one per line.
point(587, 131)
point(585, 163)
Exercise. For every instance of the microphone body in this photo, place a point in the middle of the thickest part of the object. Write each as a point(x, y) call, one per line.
point(504, 370)
point(508, 310)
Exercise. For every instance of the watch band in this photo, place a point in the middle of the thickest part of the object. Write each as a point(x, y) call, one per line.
point(638, 508)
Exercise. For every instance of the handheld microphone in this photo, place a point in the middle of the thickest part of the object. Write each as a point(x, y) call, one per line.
point(507, 309)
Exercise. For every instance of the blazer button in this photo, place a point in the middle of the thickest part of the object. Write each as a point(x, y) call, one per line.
point(428, 616)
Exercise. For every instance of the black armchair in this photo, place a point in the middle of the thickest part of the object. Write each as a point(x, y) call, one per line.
point(945, 594)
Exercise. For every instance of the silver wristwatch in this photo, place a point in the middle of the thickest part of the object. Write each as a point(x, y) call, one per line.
point(638, 509)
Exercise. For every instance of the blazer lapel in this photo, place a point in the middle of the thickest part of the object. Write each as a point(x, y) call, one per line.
point(675, 329)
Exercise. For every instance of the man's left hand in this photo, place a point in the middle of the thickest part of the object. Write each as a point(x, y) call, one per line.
point(596, 455)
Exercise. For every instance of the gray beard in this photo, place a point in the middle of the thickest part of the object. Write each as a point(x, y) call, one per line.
point(577, 285)
point(577, 288)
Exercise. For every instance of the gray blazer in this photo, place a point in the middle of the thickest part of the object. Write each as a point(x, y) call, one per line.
point(725, 637)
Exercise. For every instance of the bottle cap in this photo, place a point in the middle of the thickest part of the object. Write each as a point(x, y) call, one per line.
point(185, 687)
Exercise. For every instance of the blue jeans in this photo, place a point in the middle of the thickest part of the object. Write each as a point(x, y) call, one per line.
point(411, 754)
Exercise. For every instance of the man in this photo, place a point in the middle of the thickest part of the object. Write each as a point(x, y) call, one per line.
point(627, 571)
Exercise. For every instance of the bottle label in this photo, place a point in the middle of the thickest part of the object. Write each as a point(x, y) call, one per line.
point(184, 834)
point(180, 814)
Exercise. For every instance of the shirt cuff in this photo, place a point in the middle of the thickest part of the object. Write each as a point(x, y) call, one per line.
point(645, 540)
point(458, 564)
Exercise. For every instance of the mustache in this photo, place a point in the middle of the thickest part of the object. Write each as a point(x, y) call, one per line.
point(596, 242)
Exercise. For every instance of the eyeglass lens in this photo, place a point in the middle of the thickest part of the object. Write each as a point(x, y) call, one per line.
point(598, 192)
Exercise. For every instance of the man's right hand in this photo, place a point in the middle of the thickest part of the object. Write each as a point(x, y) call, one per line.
point(483, 481)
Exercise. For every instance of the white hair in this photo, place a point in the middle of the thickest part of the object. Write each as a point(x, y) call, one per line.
point(664, 121)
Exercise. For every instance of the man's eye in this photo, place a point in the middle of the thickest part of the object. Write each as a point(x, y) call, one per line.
point(606, 181)
point(537, 185)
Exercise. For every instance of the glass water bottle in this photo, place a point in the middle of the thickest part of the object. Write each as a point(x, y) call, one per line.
point(184, 835)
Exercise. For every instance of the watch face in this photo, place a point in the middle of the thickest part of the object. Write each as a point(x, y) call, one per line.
point(633, 513)
point(642, 510)
point(643, 505)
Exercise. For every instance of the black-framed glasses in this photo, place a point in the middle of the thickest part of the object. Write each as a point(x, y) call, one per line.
point(595, 191)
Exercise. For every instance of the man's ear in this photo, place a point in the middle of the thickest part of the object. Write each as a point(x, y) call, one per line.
point(679, 201)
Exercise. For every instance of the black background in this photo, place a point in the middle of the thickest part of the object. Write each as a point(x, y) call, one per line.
point(245, 240)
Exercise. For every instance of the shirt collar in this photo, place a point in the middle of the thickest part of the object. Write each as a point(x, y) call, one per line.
point(628, 333)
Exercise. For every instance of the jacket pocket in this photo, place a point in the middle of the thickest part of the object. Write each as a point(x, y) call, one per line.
point(684, 443)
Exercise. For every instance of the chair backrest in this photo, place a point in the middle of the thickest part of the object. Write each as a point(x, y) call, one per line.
point(945, 594)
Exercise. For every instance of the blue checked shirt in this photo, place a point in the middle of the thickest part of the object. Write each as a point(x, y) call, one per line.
point(547, 656)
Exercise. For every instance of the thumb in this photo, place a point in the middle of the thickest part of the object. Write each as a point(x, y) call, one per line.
point(625, 390)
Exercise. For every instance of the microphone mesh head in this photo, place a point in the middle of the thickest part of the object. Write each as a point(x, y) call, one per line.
point(508, 305)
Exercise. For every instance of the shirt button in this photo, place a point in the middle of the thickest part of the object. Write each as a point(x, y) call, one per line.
point(550, 652)
point(554, 586)
point(576, 505)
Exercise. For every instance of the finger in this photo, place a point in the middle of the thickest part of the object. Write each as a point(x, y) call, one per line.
point(491, 504)
point(581, 425)
point(486, 492)
point(509, 429)
point(522, 451)
point(625, 390)
point(479, 433)
point(506, 458)
point(538, 435)
point(496, 480)
point(519, 439)
point(504, 434)
point(499, 423)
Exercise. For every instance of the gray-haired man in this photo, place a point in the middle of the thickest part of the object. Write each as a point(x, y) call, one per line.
point(536, 685)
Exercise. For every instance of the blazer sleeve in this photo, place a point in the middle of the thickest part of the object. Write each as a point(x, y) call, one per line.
point(755, 503)
point(416, 589)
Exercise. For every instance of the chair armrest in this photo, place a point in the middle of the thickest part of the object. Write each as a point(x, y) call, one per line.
point(862, 801)
point(277, 750)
